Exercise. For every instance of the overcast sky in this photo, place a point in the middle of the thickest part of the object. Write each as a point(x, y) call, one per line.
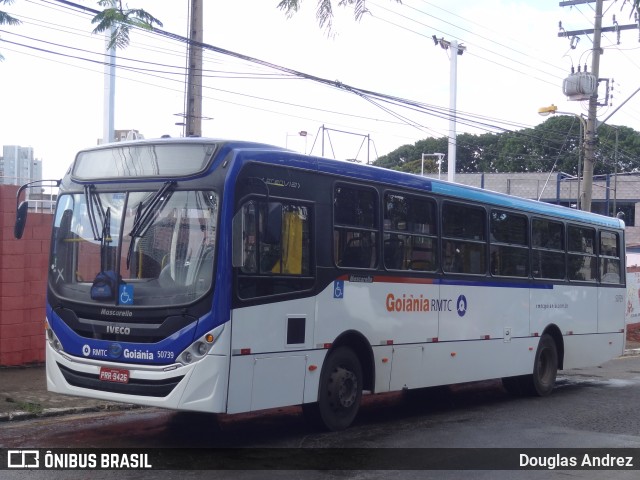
point(514, 63)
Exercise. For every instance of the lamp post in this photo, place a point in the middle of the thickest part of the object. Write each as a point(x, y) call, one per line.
point(552, 109)
point(439, 162)
point(301, 133)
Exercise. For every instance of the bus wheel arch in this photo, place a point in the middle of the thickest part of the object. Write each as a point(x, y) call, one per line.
point(555, 333)
point(549, 358)
point(346, 371)
point(362, 348)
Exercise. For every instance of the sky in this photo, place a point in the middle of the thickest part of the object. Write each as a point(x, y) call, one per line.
point(52, 78)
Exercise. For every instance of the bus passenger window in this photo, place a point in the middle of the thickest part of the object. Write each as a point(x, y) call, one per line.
point(409, 233)
point(272, 239)
point(463, 239)
point(509, 244)
point(355, 227)
point(548, 256)
point(359, 250)
point(272, 248)
point(609, 258)
point(581, 258)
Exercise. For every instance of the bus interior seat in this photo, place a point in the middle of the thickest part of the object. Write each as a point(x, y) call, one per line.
point(393, 253)
point(357, 253)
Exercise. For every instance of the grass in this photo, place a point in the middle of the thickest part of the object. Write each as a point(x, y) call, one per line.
point(28, 407)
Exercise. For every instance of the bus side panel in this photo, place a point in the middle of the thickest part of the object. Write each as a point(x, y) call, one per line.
point(269, 345)
point(379, 311)
point(573, 310)
point(240, 383)
point(611, 309)
point(457, 362)
point(592, 350)
point(484, 312)
point(386, 311)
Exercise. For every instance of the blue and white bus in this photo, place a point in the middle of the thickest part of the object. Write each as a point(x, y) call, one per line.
point(226, 277)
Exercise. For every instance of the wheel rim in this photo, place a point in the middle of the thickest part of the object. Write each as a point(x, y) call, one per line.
point(343, 389)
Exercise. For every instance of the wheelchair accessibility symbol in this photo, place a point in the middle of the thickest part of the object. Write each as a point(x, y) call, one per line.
point(126, 295)
point(338, 289)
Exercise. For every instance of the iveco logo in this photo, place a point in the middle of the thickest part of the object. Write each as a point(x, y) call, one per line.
point(118, 330)
point(115, 350)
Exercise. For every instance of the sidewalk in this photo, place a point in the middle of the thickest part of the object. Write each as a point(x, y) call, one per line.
point(24, 395)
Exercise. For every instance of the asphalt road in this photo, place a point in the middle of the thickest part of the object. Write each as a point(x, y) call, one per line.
point(590, 408)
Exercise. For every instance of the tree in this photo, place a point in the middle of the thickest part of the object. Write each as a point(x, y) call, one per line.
point(324, 11)
point(121, 20)
point(551, 146)
point(6, 19)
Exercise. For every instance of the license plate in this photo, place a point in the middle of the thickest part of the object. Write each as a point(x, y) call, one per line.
point(116, 375)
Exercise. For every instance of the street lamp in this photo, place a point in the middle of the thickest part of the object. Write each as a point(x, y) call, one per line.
point(439, 162)
point(552, 109)
point(301, 133)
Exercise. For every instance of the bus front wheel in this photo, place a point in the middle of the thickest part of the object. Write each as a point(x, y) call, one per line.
point(339, 393)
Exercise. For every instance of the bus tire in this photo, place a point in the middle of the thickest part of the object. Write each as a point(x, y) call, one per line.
point(545, 368)
point(339, 392)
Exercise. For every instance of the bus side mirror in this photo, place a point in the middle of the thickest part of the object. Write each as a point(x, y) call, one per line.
point(21, 219)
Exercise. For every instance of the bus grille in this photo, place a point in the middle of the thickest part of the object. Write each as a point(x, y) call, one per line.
point(147, 388)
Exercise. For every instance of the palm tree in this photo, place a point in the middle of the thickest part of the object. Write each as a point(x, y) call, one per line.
point(6, 19)
point(120, 19)
point(324, 12)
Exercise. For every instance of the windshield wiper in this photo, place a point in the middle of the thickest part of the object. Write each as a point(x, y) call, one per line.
point(145, 214)
point(93, 200)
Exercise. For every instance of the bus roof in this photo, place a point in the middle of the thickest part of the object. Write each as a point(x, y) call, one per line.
point(391, 178)
point(462, 192)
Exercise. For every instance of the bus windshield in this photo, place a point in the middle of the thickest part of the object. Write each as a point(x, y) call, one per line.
point(165, 260)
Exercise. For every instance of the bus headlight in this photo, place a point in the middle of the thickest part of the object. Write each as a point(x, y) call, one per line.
point(200, 347)
point(52, 338)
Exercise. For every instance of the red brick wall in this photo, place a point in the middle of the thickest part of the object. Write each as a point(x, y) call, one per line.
point(23, 274)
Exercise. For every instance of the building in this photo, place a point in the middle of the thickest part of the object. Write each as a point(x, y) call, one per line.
point(18, 166)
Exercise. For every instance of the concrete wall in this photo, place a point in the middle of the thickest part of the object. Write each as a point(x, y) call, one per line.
point(23, 274)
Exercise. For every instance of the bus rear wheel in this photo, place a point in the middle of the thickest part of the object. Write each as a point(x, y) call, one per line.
point(339, 393)
point(545, 368)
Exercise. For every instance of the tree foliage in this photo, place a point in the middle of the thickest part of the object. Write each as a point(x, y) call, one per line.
point(120, 19)
point(324, 10)
point(6, 19)
point(551, 146)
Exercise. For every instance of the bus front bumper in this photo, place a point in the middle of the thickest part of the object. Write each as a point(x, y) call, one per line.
point(201, 386)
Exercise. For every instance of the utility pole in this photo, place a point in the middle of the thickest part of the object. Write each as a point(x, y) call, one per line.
point(108, 128)
point(454, 51)
point(193, 107)
point(590, 135)
point(592, 121)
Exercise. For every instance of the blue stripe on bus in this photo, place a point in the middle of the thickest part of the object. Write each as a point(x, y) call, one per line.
point(386, 278)
point(489, 283)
